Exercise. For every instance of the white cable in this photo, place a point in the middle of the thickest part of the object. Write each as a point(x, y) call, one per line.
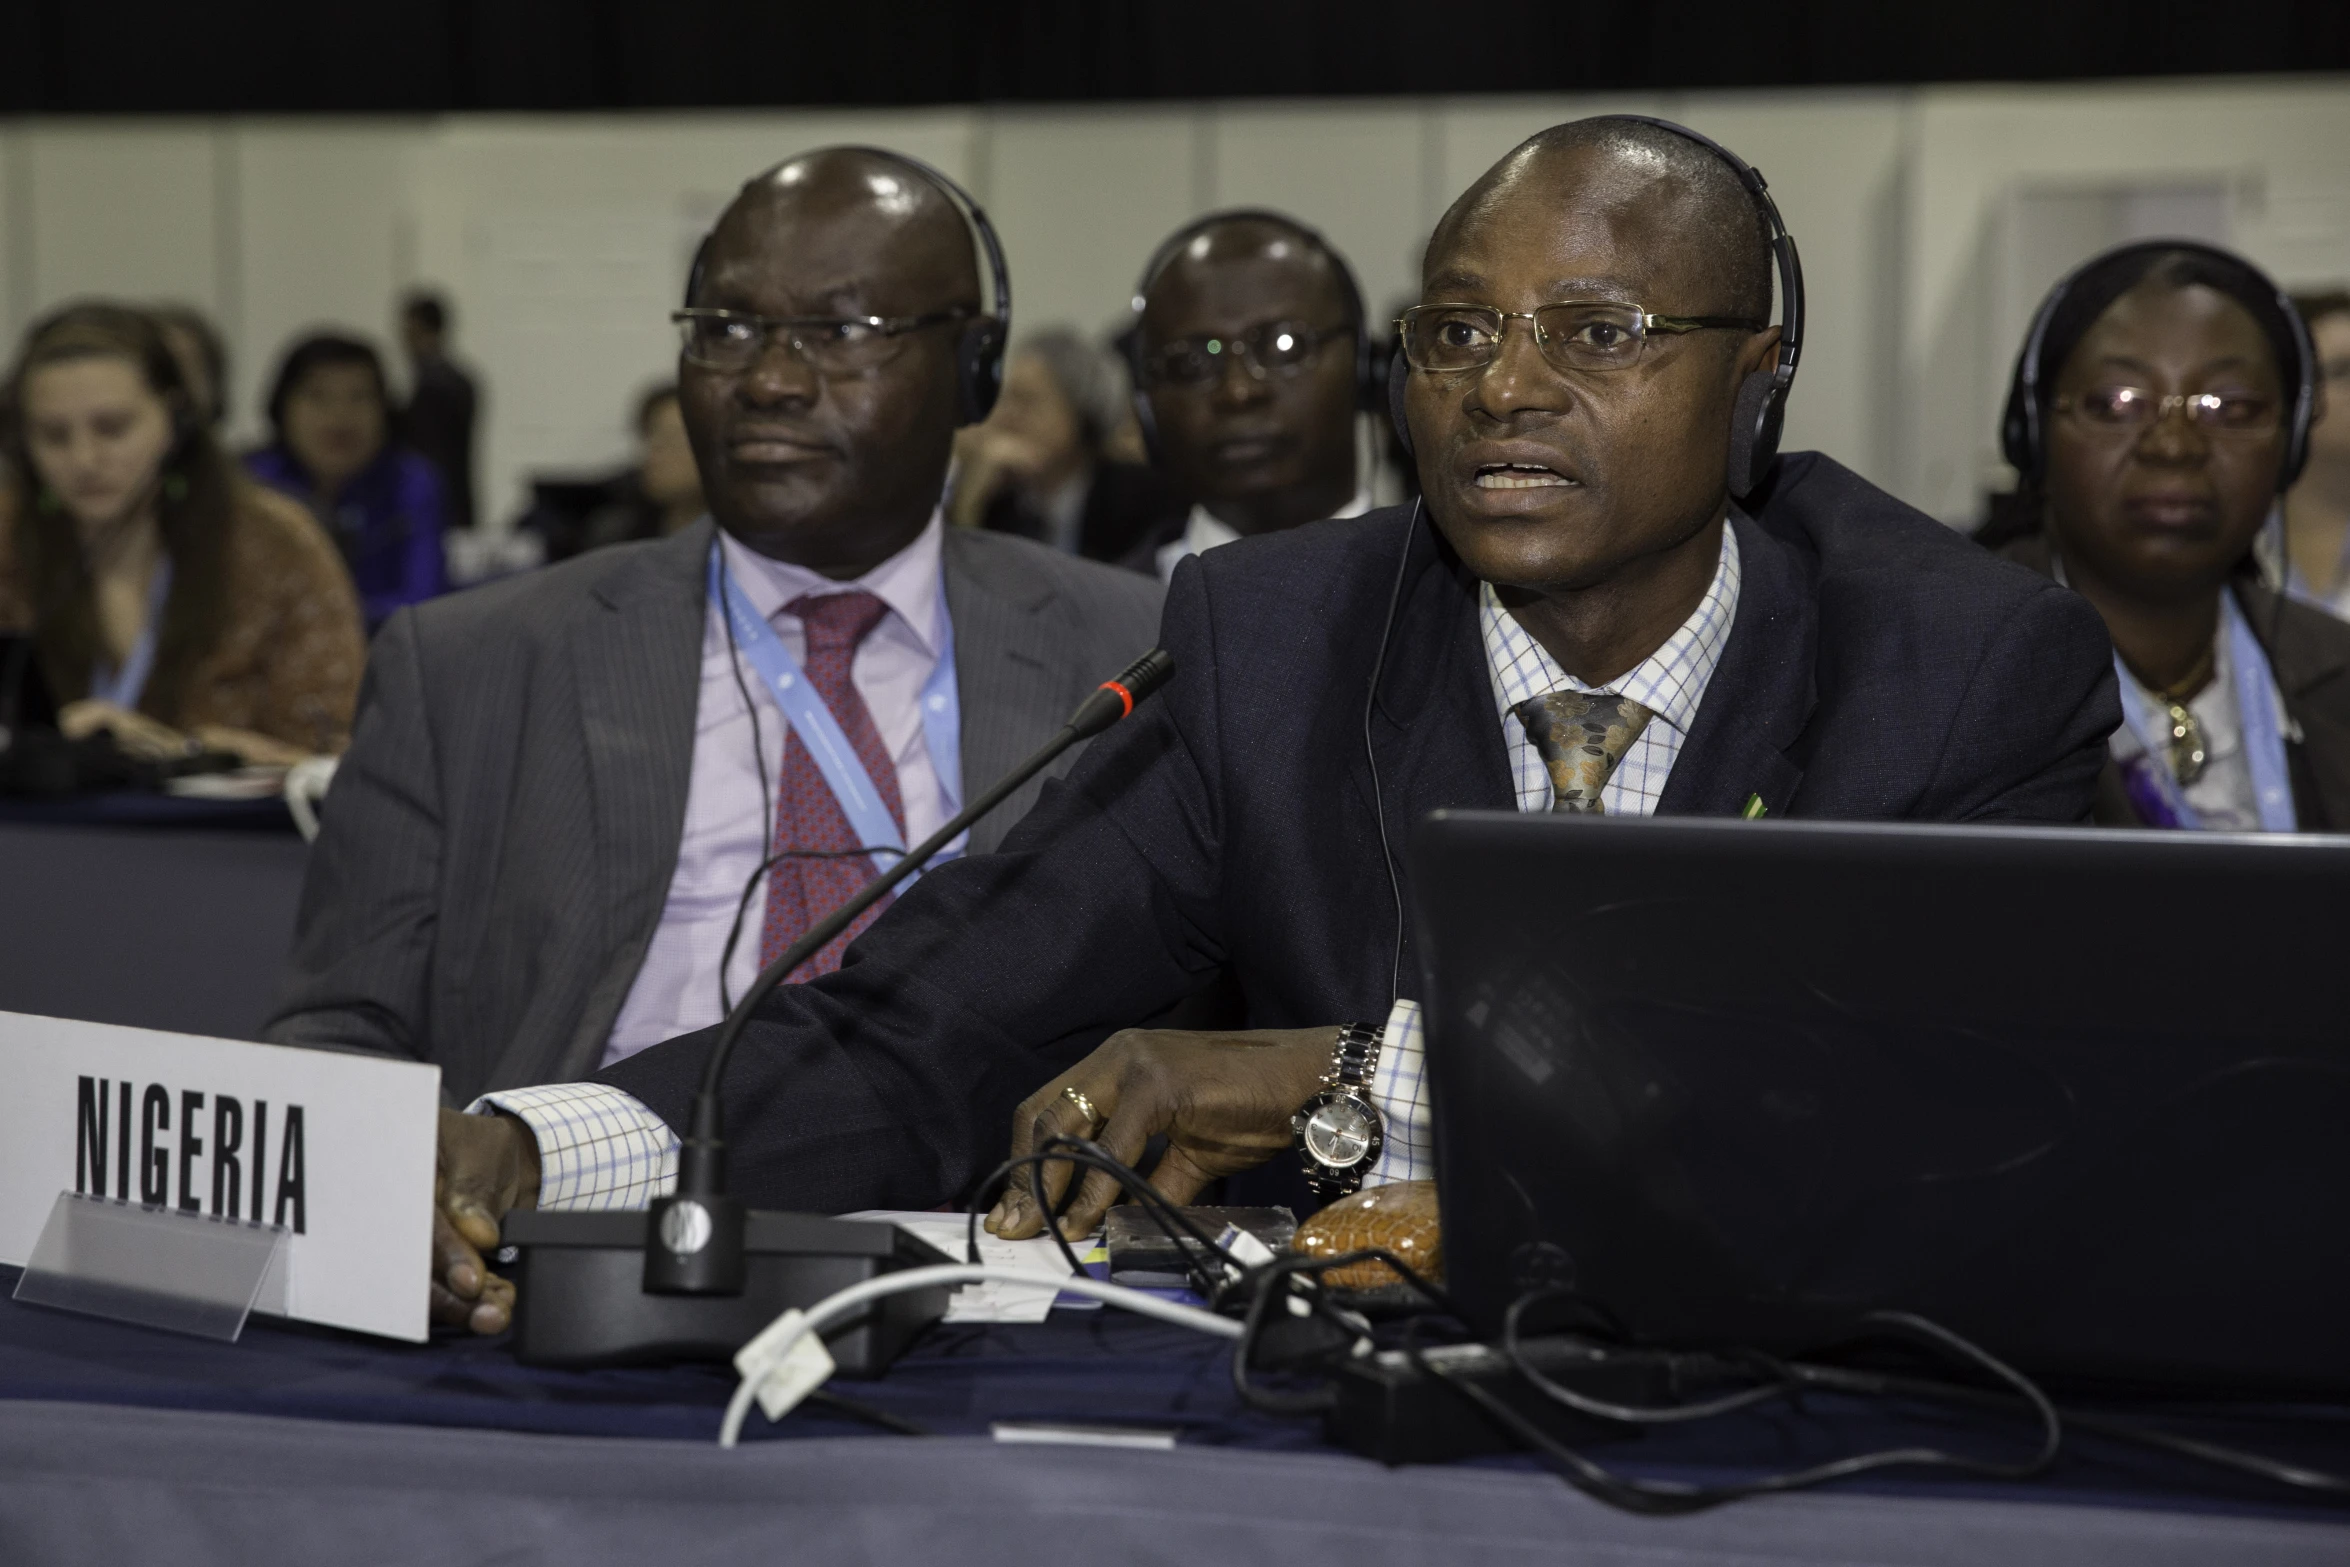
point(845, 1303)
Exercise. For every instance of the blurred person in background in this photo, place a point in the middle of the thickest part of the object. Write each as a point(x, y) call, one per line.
point(662, 494)
point(1249, 368)
point(443, 403)
point(2317, 509)
point(170, 600)
point(203, 358)
point(1039, 467)
point(2154, 431)
point(335, 451)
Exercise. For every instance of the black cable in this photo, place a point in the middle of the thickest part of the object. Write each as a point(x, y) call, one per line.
point(734, 664)
point(742, 905)
point(1843, 1380)
point(1675, 1496)
point(1087, 1154)
point(1788, 1377)
point(1260, 1281)
point(1371, 753)
point(1629, 1414)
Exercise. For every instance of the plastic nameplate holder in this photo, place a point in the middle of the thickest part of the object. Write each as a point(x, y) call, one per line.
point(157, 1267)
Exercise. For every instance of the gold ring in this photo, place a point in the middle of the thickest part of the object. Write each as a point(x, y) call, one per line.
point(1093, 1117)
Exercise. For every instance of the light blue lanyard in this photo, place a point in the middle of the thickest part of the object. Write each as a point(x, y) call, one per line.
point(122, 686)
point(2256, 713)
point(803, 708)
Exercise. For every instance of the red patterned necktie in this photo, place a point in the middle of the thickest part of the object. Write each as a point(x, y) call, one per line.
point(801, 891)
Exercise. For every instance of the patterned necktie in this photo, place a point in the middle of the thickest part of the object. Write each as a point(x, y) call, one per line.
point(1581, 738)
point(808, 817)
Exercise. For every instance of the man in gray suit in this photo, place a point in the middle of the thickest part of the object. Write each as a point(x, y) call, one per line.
point(560, 786)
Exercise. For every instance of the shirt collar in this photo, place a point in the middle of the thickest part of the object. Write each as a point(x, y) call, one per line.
point(908, 582)
point(1202, 530)
point(1670, 682)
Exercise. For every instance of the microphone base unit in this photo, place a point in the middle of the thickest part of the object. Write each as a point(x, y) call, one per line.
point(581, 1301)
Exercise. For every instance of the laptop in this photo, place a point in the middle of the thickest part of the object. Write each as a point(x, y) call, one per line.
point(2081, 1096)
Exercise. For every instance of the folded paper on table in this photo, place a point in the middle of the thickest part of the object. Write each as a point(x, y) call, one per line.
point(991, 1301)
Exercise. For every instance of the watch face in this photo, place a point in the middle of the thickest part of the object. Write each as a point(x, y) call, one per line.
point(1339, 1132)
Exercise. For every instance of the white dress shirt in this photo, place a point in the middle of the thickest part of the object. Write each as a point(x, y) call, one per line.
point(1670, 683)
point(1202, 531)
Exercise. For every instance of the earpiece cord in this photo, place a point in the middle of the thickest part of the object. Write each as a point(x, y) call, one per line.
point(1371, 753)
point(734, 664)
point(742, 905)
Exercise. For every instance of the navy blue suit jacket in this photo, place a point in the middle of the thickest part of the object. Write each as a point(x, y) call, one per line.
point(1879, 667)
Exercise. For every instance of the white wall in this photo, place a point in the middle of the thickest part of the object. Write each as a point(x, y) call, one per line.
point(1930, 220)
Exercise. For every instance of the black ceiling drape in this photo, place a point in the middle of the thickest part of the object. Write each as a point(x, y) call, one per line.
point(377, 56)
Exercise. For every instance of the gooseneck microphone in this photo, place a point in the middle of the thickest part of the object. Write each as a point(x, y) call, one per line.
point(694, 1236)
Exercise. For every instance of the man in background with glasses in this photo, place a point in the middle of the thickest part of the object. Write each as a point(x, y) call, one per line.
point(548, 846)
point(1247, 380)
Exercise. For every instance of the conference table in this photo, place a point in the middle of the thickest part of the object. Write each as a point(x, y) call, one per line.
point(301, 1444)
point(148, 910)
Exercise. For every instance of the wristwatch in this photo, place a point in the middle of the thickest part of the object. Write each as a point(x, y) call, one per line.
point(1338, 1131)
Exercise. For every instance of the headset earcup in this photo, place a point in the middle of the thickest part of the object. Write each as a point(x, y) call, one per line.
point(979, 368)
point(1397, 370)
point(1754, 431)
point(2017, 433)
point(1370, 373)
point(1147, 422)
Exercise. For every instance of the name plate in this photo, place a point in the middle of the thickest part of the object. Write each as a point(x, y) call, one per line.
point(337, 1148)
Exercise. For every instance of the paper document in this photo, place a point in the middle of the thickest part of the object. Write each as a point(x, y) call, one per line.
point(990, 1301)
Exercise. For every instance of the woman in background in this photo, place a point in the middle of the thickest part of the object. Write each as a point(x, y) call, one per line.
point(663, 493)
point(1041, 466)
point(2153, 435)
point(334, 451)
point(168, 599)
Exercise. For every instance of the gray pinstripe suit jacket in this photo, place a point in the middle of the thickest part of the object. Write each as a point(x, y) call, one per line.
point(499, 840)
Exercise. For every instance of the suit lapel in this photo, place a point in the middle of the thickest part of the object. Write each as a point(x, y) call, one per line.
point(1761, 694)
point(1435, 728)
point(637, 651)
point(2309, 673)
point(1006, 671)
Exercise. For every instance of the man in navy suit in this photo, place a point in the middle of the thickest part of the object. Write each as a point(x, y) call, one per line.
point(1581, 618)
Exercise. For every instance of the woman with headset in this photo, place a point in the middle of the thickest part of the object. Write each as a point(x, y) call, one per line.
point(164, 596)
point(2161, 404)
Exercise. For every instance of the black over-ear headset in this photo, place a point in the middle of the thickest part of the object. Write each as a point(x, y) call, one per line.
point(1762, 398)
point(1369, 375)
point(2023, 432)
point(979, 353)
point(1754, 442)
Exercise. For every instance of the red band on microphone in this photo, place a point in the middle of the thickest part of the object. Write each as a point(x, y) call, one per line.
point(1124, 695)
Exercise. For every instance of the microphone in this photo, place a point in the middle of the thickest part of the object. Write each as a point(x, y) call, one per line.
point(694, 1237)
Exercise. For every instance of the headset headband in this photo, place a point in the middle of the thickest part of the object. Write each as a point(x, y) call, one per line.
point(1783, 253)
point(979, 353)
point(1173, 244)
point(1370, 374)
point(1761, 407)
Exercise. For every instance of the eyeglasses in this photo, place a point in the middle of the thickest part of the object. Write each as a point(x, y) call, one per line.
point(733, 340)
point(1271, 348)
point(2135, 408)
point(1447, 339)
